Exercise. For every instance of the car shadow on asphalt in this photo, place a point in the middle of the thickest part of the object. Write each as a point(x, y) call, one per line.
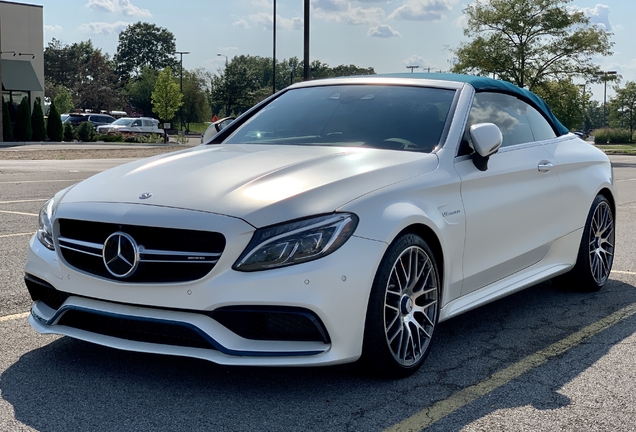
point(73, 385)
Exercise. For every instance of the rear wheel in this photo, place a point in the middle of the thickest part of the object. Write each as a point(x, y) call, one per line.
point(403, 309)
point(596, 252)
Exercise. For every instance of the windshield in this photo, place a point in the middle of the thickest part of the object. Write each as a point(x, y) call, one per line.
point(123, 122)
point(389, 117)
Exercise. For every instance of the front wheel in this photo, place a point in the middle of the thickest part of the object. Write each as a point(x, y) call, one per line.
point(403, 309)
point(596, 252)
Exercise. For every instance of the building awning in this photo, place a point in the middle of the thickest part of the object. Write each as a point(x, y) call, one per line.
point(19, 75)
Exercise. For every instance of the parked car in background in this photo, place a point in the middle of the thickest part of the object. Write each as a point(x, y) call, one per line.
point(133, 126)
point(95, 119)
point(215, 128)
point(338, 220)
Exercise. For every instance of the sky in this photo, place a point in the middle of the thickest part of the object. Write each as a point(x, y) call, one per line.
point(387, 35)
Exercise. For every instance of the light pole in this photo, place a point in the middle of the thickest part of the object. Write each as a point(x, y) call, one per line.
point(413, 67)
point(306, 71)
point(227, 105)
point(181, 53)
point(223, 55)
point(606, 73)
point(274, 53)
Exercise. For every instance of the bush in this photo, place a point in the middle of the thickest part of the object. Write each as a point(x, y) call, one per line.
point(612, 136)
point(69, 132)
point(37, 122)
point(86, 132)
point(7, 129)
point(54, 126)
point(110, 138)
point(23, 130)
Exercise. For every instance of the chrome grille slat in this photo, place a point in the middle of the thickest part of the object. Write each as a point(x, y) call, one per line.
point(164, 254)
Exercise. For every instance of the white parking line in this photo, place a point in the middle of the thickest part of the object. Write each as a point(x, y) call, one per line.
point(14, 317)
point(23, 201)
point(443, 408)
point(40, 181)
point(19, 213)
point(15, 235)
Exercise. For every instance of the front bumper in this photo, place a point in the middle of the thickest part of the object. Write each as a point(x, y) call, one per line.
point(332, 293)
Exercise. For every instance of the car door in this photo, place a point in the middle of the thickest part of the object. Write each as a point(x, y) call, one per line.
point(510, 207)
point(136, 126)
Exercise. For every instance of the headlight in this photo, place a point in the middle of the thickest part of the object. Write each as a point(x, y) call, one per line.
point(296, 242)
point(45, 228)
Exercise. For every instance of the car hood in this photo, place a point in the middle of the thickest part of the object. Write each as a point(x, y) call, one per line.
point(261, 184)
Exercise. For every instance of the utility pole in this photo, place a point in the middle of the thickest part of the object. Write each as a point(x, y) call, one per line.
point(274, 54)
point(306, 75)
point(181, 53)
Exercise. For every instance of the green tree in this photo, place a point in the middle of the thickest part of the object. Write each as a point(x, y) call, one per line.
point(566, 100)
point(140, 88)
point(63, 100)
point(86, 132)
point(54, 127)
point(37, 121)
point(166, 97)
point(7, 129)
point(69, 132)
point(23, 131)
point(622, 108)
point(144, 44)
point(528, 42)
point(99, 89)
point(195, 104)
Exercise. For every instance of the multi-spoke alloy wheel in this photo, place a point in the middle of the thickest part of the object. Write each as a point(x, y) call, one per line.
point(410, 305)
point(596, 253)
point(403, 309)
point(601, 241)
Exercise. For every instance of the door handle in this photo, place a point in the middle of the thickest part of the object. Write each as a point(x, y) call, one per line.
point(545, 166)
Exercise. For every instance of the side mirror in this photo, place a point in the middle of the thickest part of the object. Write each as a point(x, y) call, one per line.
point(219, 125)
point(486, 139)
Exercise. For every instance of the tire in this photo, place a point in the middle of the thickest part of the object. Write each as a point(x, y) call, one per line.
point(403, 309)
point(596, 252)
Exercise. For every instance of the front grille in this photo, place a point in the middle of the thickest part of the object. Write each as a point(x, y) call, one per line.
point(139, 330)
point(272, 323)
point(165, 254)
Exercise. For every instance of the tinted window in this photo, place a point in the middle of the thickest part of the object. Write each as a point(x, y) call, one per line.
point(136, 123)
point(541, 129)
point(507, 112)
point(390, 117)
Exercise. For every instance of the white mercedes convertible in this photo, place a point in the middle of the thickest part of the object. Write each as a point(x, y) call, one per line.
point(340, 220)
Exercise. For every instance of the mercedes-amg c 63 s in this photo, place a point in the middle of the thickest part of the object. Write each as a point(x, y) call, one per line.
point(337, 221)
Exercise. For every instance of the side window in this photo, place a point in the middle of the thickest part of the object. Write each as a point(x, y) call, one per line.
point(507, 112)
point(136, 123)
point(541, 129)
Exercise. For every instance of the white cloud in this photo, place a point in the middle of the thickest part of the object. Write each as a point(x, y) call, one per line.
point(124, 7)
point(53, 28)
point(343, 11)
point(383, 31)
point(424, 64)
point(227, 48)
point(598, 15)
point(423, 10)
point(104, 27)
point(263, 4)
point(264, 20)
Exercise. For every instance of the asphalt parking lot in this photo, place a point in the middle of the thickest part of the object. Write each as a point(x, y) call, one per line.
point(541, 360)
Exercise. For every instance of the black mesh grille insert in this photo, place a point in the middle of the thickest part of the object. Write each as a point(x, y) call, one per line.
point(139, 330)
point(165, 240)
point(272, 323)
point(42, 290)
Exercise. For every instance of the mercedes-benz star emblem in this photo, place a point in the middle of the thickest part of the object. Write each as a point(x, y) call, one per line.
point(145, 195)
point(120, 254)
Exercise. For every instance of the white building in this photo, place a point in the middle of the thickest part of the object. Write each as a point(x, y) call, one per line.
point(22, 47)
